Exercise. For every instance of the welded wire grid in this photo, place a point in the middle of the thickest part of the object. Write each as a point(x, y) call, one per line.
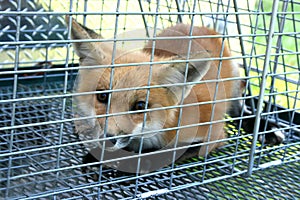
point(41, 157)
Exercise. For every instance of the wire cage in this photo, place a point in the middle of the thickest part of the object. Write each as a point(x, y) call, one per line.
point(42, 156)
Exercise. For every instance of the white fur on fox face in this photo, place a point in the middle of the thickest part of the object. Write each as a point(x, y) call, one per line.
point(150, 140)
point(152, 126)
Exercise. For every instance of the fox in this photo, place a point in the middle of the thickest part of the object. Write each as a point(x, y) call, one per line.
point(169, 93)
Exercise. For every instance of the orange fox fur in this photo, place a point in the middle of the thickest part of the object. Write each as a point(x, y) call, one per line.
point(200, 68)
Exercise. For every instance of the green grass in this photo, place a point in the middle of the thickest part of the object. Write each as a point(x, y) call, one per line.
point(287, 61)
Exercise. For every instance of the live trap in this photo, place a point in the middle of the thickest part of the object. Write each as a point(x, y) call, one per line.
point(41, 155)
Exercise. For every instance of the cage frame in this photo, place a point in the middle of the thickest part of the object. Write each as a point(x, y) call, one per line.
point(64, 73)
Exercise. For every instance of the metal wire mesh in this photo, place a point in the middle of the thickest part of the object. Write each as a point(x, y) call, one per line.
point(40, 155)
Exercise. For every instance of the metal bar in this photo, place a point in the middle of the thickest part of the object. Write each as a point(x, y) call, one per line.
point(144, 19)
point(178, 10)
point(127, 39)
point(274, 71)
point(253, 51)
point(147, 100)
point(182, 95)
point(84, 8)
point(246, 69)
point(63, 109)
point(278, 48)
point(262, 87)
point(108, 107)
point(216, 89)
point(27, 13)
point(13, 112)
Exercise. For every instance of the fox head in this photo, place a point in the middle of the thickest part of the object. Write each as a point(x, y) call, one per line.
point(133, 99)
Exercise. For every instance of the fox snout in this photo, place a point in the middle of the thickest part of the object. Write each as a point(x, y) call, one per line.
point(141, 138)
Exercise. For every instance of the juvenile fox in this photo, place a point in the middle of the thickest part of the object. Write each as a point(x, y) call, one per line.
point(203, 104)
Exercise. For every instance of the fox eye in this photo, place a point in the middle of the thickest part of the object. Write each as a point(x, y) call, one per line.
point(102, 97)
point(140, 105)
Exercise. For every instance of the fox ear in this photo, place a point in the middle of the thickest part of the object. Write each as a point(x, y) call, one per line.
point(88, 52)
point(174, 73)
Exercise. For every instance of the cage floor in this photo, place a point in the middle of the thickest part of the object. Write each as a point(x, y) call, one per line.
point(277, 182)
point(43, 161)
